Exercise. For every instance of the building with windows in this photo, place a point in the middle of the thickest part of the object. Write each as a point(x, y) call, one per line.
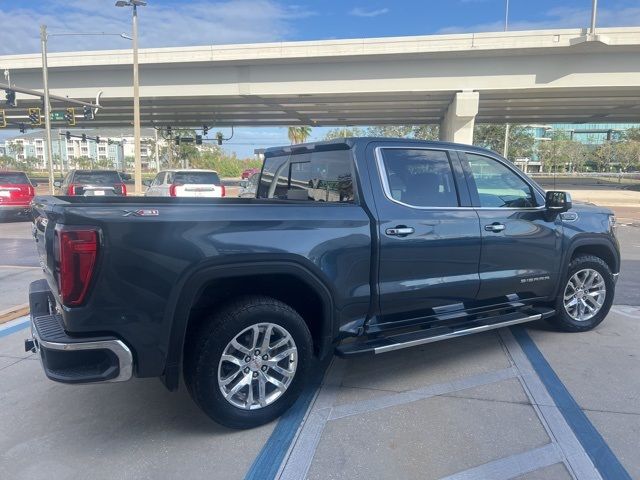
point(114, 149)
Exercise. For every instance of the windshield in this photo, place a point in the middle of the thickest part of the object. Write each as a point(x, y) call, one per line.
point(13, 178)
point(97, 178)
point(197, 178)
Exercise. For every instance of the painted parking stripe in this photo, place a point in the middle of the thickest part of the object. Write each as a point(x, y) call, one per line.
point(512, 466)
point(267, 463)
point(607, 464)
point(429, 391)
point(14, 326)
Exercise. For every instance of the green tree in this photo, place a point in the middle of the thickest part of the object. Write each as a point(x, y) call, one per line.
point(342, 132)
point(298, 134)
point(627, 154)
point(553, 153)
point(604, 156)
point(491, 136)
point(632, 134)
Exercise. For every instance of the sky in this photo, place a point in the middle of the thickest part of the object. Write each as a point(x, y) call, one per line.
point(166, 23)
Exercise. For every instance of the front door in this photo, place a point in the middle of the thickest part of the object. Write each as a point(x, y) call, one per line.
point(429, 243)
point(521, 243)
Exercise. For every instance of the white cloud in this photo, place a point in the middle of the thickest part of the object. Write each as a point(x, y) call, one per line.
point(560, 17)
point(161, 25)
point(361, 12)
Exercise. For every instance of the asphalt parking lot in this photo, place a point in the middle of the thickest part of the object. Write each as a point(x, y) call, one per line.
point(526, 403)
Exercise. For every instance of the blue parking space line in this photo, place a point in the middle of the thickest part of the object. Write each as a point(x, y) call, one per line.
point(596, 447)
point(268, 461)
point(14, 328)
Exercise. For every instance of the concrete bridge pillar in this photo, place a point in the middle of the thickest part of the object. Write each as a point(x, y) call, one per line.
point(458, 121)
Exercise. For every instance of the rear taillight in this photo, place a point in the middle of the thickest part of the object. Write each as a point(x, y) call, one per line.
point(122, 187)
point(224, 190)
point(32, 192)
point(72, 190)
point(76, 249)
point(172, 189)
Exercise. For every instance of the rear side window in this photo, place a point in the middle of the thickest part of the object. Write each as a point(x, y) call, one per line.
point(323, 176)
point(419, 178)
point(13, 178)
point(97, 178)
point(198, 178)
point(497, 185)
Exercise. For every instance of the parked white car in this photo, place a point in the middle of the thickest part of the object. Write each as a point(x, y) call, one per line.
point(186, 183)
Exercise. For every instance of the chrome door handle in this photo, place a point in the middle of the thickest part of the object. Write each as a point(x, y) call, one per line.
point(495, 227)
point(400, 231)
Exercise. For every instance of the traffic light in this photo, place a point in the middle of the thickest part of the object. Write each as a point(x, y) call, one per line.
point(87, 112)
point(198, 139)
point(205, 130)
point(34, 116)
point(67, 135)
point(22, 127)
point(84, 138)
point(97, 139)
point(169, 131)
point(70, 116)
point(10, 96)
point(219, 137)
point(177, 140)
point(3, 119)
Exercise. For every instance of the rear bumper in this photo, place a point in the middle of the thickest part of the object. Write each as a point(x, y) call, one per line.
point(70, 359)
point(18, 209)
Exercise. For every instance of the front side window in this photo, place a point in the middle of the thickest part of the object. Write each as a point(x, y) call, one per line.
point(498, 186)
point(323, 176)
point(419, 178)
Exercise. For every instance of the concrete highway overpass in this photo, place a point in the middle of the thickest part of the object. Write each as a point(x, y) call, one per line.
point(454, 80)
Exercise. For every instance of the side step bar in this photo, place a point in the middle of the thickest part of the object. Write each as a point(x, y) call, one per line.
point(421, 337)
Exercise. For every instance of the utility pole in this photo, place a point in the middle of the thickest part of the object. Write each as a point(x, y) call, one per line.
point(47, 105)
point(157, 151)
point(137, 172)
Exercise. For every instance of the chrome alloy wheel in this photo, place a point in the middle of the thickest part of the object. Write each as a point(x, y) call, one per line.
point(584, 294)
point(257, 366)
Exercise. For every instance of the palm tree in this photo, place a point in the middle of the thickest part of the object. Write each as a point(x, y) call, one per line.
point(298, 134)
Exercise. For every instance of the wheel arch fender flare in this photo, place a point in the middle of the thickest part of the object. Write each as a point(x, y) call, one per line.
point(191, 287)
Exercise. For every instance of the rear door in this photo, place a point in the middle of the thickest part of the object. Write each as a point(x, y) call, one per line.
point(429, 247)
point(521, 245)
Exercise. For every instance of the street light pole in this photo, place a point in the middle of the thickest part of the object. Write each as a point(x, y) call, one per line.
point(136, 105)
point(137, 173)
point(47, 105)
point(505, 151)
point(594, 11)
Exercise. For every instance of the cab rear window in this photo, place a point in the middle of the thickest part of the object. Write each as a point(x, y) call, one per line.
point(17, 178)
point(97, 178)
point(198, 178)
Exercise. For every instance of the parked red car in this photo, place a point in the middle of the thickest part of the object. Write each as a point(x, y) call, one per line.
point(16, 193)
point(248, 172)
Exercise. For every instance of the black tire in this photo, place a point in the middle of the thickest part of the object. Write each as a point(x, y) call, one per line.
point(562, 319)
point(202, 357)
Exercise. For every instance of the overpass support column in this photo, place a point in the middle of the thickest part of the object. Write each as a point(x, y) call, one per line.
point(458, 121)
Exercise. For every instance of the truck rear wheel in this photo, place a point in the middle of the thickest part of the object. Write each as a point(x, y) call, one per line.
point(248, 363)
point(586, 295)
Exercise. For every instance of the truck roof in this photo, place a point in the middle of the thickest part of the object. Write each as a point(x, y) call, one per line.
point(350, 142)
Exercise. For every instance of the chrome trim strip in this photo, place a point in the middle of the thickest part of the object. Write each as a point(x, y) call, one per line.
point(459, 333)
point(118, 347)
point(387, 190)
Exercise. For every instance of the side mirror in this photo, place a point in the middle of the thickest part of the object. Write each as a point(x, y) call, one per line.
point(34, 184)
point(557, 202)
point(243, 183)
point(57, 184)
point(146, 183)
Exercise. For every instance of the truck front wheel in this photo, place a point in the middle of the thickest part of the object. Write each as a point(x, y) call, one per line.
point(249, 361)
point(586, 295)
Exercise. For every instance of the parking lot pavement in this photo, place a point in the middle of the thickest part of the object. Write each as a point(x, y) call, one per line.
point(470, 408)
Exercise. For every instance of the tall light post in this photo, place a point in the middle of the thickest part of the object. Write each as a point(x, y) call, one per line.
point(594, 12)
point(44, 38)
point(137, 171)
point(505, 151)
